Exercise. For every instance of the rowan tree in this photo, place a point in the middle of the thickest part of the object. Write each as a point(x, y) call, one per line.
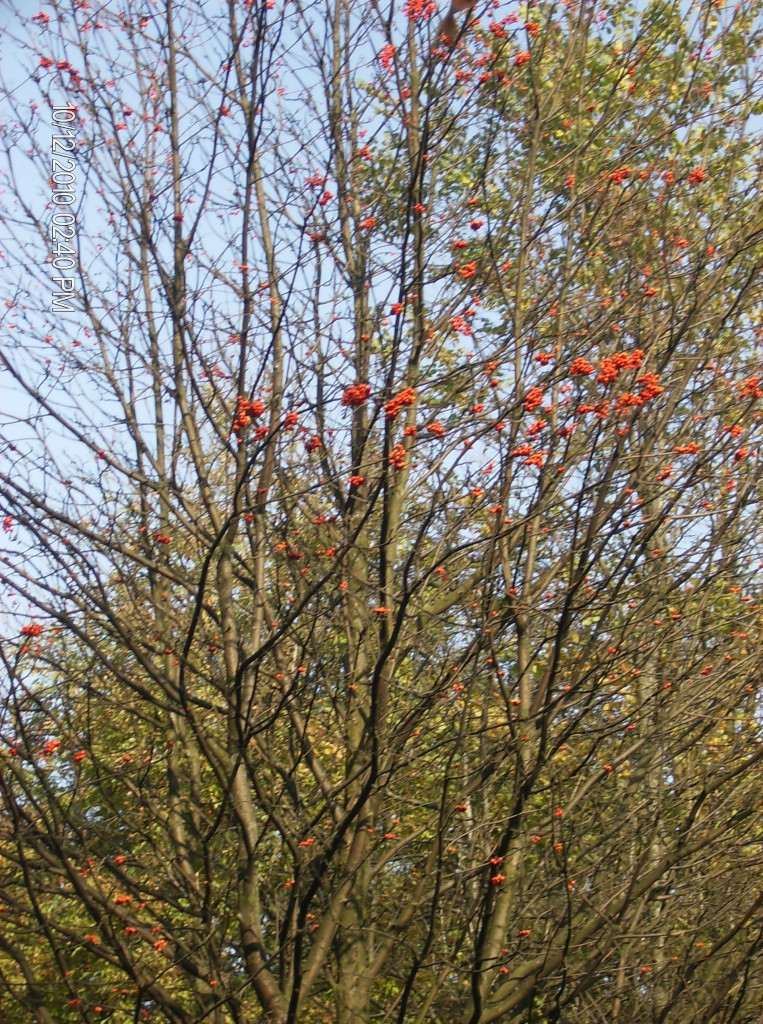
point(381, 492)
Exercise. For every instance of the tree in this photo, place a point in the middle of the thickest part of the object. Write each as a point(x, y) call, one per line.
point(382, 498)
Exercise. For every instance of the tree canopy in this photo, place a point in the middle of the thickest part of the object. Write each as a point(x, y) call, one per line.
point(381, 495)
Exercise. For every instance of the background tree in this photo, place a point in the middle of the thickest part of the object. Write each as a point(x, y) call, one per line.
point(382, 637)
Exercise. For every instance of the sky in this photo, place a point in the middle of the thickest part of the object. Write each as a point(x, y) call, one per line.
point(93, 214)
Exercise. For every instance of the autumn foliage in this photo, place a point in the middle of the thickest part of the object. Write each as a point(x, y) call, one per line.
point(381, 585)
